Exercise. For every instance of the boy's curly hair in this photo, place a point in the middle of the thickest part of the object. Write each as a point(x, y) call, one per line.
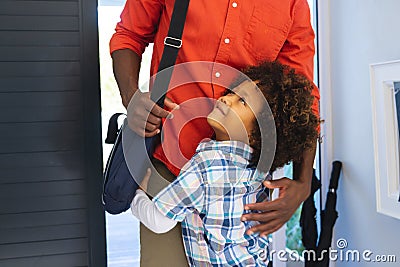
point(289, 97)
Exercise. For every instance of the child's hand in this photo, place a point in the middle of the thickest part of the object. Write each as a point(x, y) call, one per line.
point(145, 181)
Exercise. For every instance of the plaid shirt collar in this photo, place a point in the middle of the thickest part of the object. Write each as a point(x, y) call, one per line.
point(237, 148)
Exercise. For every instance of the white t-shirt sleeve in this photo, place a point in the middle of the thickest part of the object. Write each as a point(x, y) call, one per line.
point(146, 212)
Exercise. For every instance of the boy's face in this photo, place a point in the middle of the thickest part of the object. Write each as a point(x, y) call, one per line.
point(233, 115)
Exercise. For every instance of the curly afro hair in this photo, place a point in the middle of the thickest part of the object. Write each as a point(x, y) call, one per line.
point(289, 97)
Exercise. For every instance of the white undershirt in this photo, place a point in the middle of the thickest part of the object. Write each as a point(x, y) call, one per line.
point(148, 214)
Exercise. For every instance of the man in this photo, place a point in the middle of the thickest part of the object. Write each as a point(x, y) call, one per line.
point(235, 33)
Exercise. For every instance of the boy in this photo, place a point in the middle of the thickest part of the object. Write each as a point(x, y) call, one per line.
point(225, 174)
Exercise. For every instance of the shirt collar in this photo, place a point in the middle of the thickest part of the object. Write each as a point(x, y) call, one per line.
point(232, 147)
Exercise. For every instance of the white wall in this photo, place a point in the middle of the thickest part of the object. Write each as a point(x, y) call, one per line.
point(361, 32)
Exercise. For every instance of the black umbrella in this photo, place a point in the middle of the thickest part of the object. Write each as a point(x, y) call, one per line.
point(307, 221)
point(329, 216)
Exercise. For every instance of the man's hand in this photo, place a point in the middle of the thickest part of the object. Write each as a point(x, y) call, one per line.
point(276, 212)
point(144, 116)
point(291, 194)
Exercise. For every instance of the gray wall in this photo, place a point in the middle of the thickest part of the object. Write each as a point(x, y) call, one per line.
point(50, 135)
point(362, 32)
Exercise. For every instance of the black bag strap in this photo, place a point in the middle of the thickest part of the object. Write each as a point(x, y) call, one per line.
point(172, 43)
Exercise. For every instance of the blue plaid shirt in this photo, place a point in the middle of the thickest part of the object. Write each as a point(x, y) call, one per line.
point(208, 197)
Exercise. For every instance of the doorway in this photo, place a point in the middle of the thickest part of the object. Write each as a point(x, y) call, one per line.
point(122, 231)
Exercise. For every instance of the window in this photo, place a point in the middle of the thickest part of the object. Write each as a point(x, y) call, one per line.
point(122, 230)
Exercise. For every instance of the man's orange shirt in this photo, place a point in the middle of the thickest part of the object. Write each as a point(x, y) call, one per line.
point(237, 33)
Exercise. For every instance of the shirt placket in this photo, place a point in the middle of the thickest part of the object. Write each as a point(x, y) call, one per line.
point(227, 38)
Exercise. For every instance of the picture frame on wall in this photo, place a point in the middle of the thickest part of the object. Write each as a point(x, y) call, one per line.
point(385, 99)
point(396, 86)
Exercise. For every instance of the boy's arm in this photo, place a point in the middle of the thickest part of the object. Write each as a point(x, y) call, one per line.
point(184, 195)
point(170, 205)
point(148, 214)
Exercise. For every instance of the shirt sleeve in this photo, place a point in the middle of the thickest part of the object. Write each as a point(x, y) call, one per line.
point(299, 49)
point(147, 213)
point(138, 25)
point(184, 195)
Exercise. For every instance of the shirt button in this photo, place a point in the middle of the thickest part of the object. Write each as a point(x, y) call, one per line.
point(227, 40)
point(217, 74)
point(234, 4)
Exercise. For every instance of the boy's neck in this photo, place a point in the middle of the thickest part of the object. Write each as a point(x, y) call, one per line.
point(224, 137)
